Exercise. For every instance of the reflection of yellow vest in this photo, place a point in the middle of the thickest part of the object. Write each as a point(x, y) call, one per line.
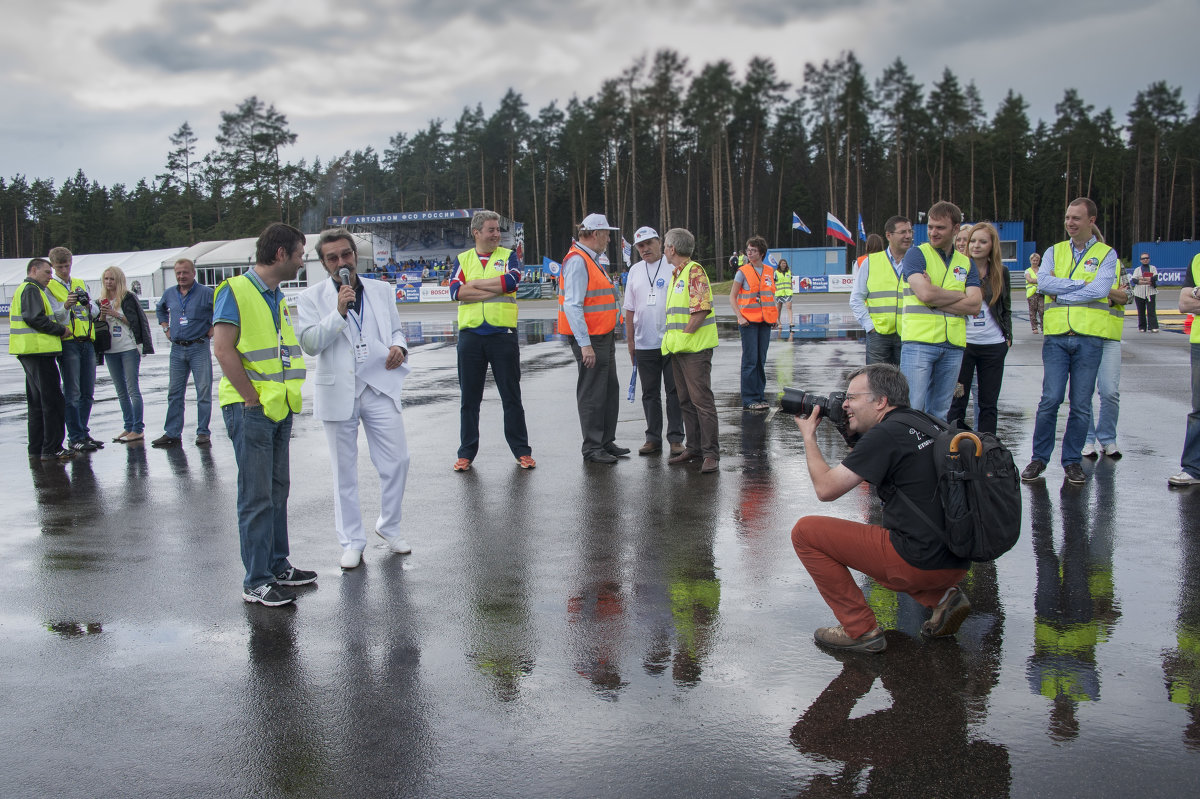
point(1091, 319)
point(885, 293)
point(23, 339)
point(1195, 335)
point(80, 328)
point(679, 312)
point(261, 349)
point(497, 311)
point(929, 325)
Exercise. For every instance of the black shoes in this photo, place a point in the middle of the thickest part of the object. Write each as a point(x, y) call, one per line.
point(613, 449)
point(294, 576)
point(164, 441)
point(1033, 471)
point(600, 457)
point(1075, 474)
point(269, 594)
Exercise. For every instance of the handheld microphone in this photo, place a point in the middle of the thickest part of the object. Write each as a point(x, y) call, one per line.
point(344, 276)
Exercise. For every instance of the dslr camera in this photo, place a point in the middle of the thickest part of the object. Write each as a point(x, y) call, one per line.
point(799, 402)
point(81, 297)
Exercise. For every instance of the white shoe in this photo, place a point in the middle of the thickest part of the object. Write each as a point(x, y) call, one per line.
point(1088, 451)
point(1183, 479)
point(1111, 450)
point(351, 558)
point(397, 545)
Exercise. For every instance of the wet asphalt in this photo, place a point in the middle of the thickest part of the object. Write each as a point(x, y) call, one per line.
point(585, 630)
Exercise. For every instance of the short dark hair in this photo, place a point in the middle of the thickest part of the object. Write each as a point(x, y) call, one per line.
point(886, 381)
point(1086, 203)
point(60, 255)
point(274, 236)
point(890, 225)
point(758, 243)
point(946, 210)
point(332, 235)
point(34, 262)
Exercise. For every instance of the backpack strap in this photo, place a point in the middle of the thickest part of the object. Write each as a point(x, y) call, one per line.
point(932, 427)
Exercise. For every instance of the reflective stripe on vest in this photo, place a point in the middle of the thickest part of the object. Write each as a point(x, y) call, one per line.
point(929, 325)
point(80, 328)
point(499, 310)
point(259, 345)
point(885, 293)
point(1091, 319)
point(600, 306)
point(756, 298)
point(23, 339)
point(679, 313)
point(1194, 337)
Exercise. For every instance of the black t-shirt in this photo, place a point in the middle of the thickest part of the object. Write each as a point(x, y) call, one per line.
point(893, 456)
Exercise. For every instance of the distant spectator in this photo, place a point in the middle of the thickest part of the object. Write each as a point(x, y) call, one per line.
point(128, 328)
point(1145, 291)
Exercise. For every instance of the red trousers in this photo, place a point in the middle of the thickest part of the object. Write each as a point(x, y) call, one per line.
point(830, 547)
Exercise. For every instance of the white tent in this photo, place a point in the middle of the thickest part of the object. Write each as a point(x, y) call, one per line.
point(140, 266)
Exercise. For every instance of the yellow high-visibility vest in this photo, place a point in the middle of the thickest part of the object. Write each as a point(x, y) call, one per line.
point(262, 349)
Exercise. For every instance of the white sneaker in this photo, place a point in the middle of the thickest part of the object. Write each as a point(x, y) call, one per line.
point(397, 545)
point(1111, 450)
point(351, 558)
point(1088, 451)
point(1183, 479)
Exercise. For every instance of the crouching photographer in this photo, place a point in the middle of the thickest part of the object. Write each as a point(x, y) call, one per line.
point(903, 554)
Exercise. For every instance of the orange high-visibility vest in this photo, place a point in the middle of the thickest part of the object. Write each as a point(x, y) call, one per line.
point(756, 299)
point(600, 306)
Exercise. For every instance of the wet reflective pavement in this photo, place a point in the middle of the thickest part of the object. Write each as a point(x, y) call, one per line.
point(585, 630)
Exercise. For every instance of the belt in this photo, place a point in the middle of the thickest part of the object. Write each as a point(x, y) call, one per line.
point(188, 343)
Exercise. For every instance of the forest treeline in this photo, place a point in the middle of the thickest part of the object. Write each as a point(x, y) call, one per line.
point(667, 142)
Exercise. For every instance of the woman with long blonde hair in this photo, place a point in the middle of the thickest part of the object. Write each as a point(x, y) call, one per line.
point(989, 332)
point(128, 329)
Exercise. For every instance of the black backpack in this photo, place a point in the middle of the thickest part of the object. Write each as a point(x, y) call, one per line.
point(978, 485)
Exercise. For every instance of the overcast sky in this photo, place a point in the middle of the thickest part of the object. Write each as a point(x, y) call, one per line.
point(101, 84)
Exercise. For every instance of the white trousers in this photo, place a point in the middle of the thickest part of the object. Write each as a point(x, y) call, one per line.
point(389, 452)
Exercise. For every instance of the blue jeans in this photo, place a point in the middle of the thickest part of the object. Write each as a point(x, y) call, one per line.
point(123, 368)
point(755, 338)
point(193, 358)
point(1108, 380)
point(932, 372)
point(260, 447)
point(1191, 440)
point(78, 365)
point(1066, 357)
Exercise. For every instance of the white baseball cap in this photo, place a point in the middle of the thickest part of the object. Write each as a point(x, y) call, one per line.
point(644, 234)
point(596, 222)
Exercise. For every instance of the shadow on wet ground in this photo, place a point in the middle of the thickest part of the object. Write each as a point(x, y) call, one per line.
point(584, 630)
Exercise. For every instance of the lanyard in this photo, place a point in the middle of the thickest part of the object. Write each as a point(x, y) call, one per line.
point(657, 269)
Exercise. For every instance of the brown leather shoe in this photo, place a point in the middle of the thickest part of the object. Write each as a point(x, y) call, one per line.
point(649, 448)
point(709, 466)
point(684, 457)
point(676, 447)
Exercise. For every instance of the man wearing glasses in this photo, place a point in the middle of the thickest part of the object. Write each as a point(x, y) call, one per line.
point(902, 553)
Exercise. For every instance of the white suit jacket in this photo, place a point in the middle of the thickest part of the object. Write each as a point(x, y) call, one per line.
point(329, 336)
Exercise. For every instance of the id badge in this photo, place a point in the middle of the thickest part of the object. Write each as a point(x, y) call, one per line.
point(360, 351)
point(285, 354)
point(183, 320)
point(651, 299)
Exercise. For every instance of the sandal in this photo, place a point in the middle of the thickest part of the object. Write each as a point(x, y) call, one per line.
point(129, 439)
point(121, 439)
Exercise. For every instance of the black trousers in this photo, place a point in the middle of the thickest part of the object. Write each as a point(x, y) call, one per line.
point(47, 406)
point(655, 371)
point(598, 394)
point(988, 361)
point(1147, 313)
point(502, 352)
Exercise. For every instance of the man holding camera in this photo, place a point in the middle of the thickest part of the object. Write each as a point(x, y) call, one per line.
point(902, 554)
point(78, 359)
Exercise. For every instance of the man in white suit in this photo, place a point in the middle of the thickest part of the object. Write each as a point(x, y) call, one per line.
point(353, 328)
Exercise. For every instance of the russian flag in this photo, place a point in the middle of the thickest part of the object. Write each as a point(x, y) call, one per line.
point(862, 233)
point(798, 224)
point(835, 228)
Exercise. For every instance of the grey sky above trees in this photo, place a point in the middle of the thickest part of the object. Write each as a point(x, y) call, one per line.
point(100, 86)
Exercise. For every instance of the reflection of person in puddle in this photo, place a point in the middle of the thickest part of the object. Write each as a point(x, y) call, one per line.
point(902, 554)
point(927, 686)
